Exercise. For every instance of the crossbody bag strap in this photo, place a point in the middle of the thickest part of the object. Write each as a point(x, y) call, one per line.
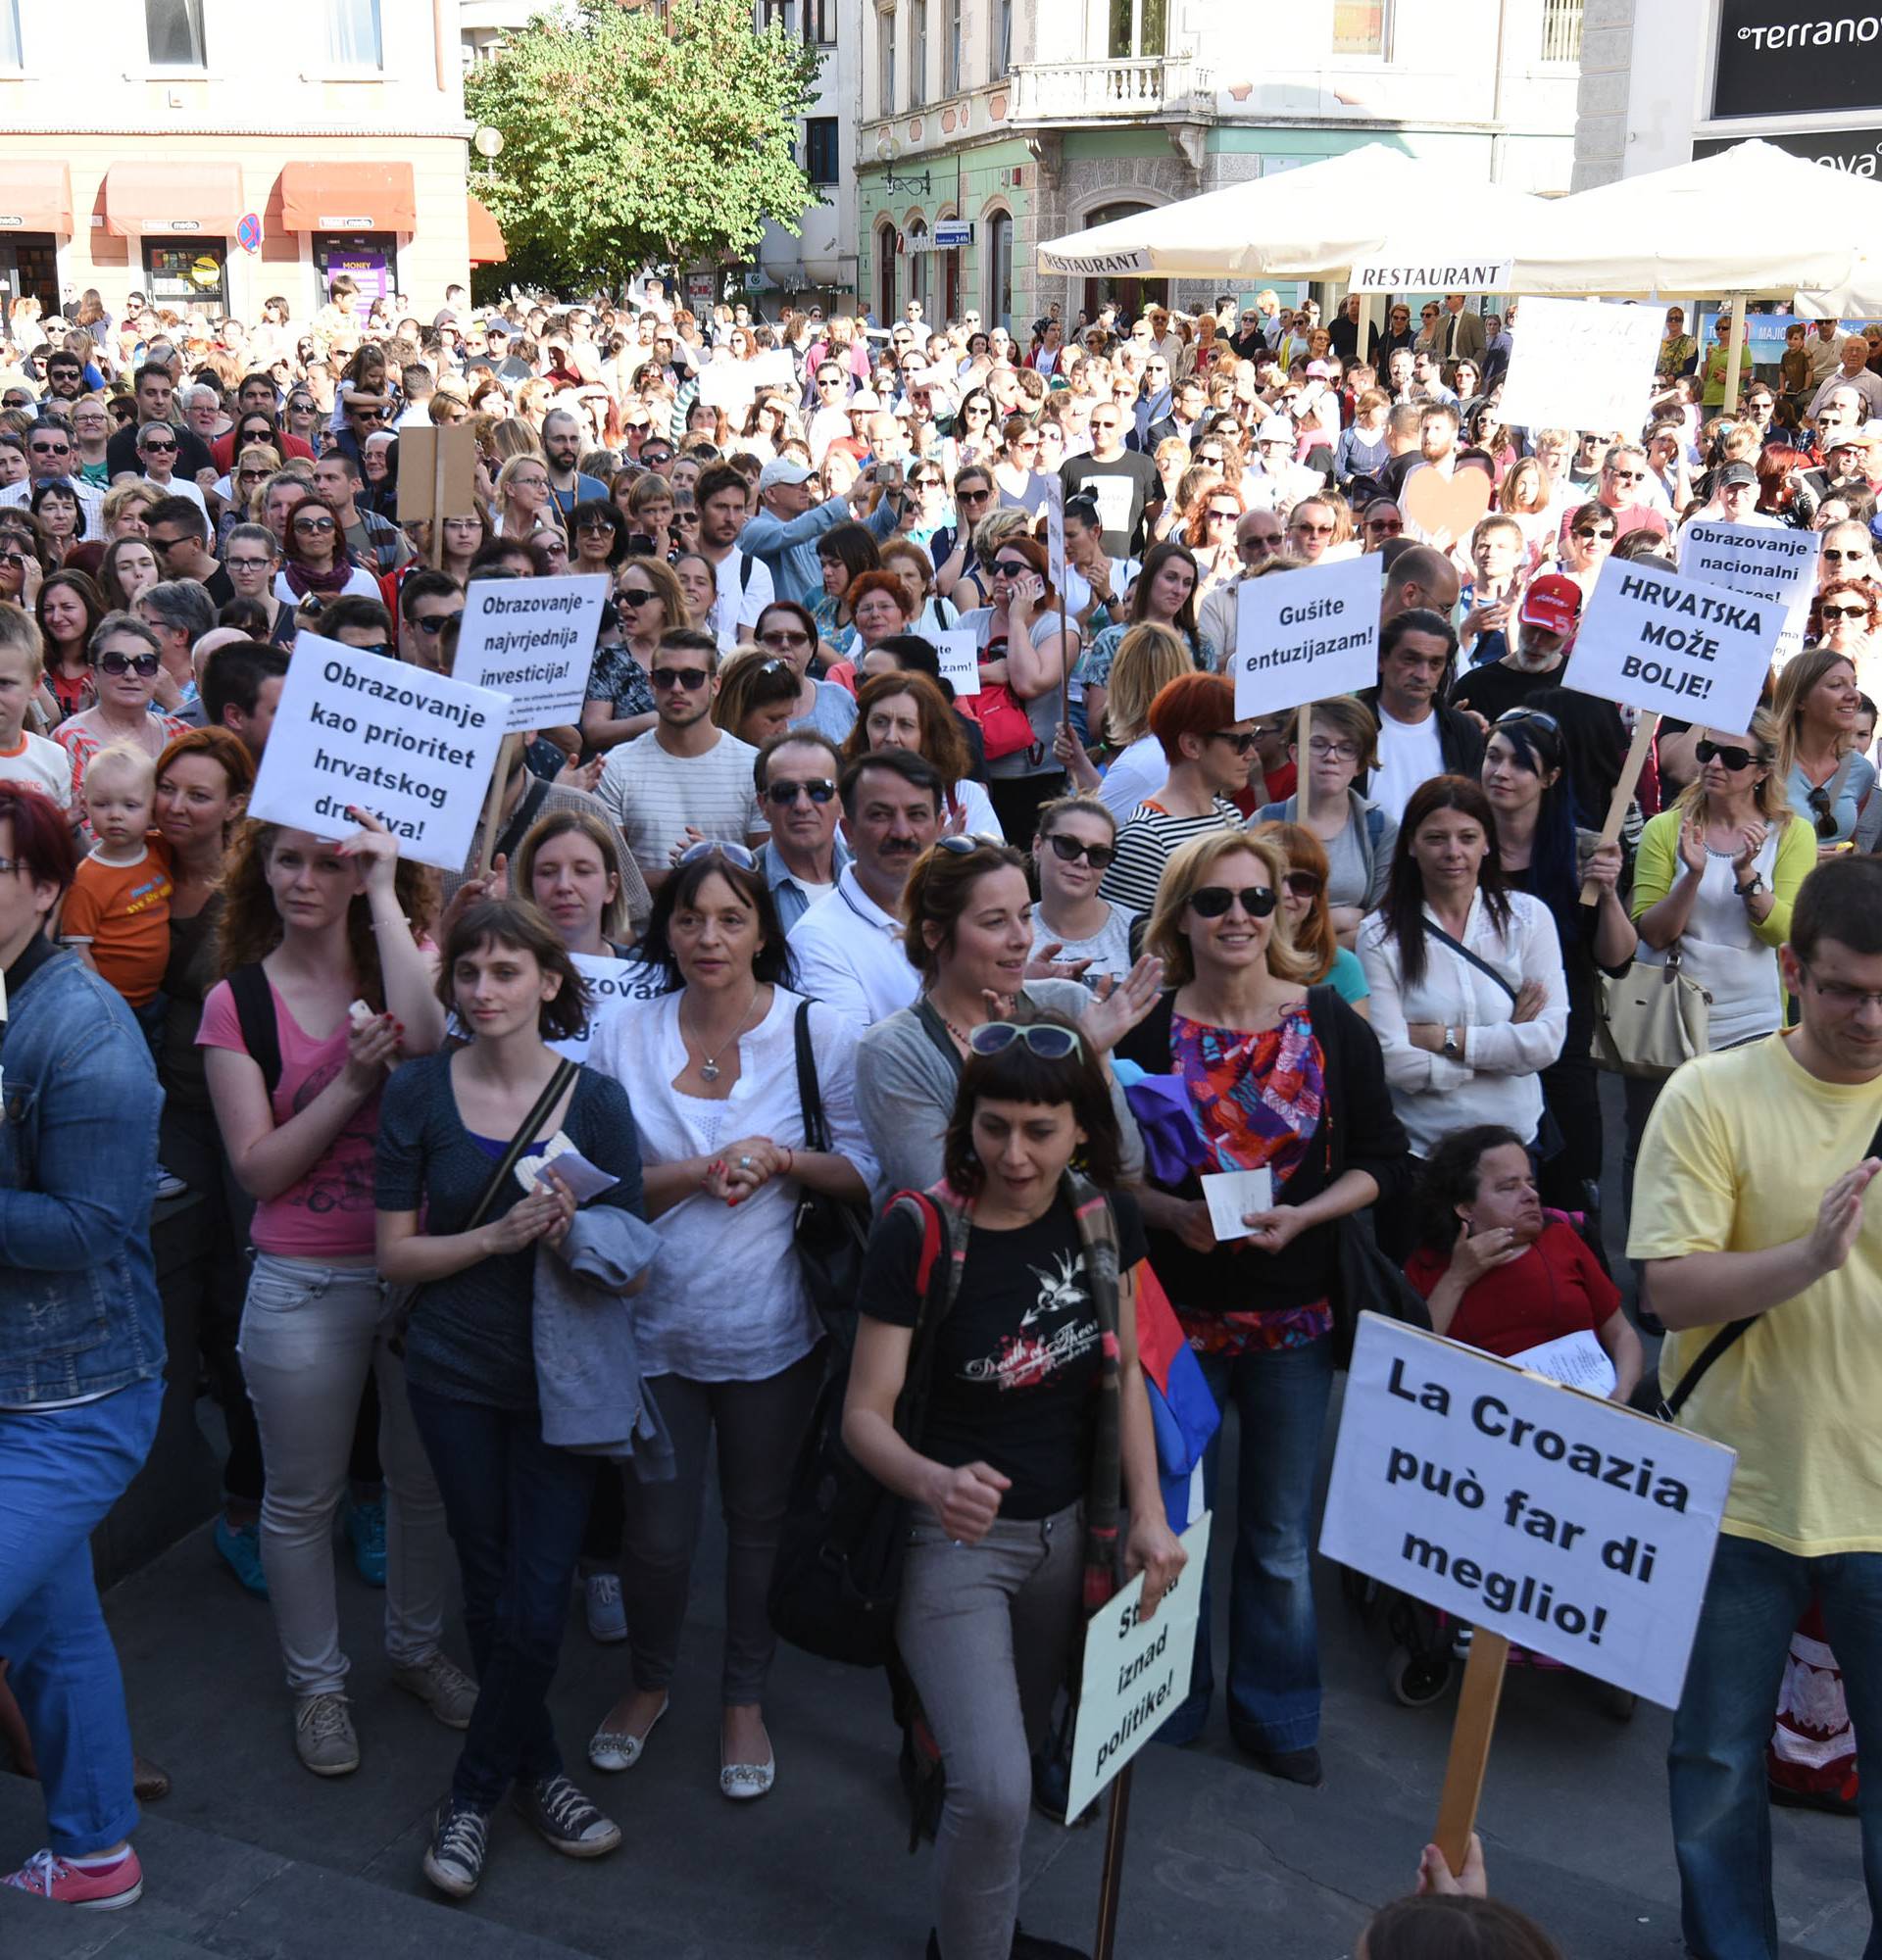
point(1465, 954)
point(810, 1097)
point(521, 1142)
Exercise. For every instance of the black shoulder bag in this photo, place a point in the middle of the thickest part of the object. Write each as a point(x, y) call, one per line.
point(830, 1235)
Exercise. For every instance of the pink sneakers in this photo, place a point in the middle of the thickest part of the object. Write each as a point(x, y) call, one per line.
point(92, 1887)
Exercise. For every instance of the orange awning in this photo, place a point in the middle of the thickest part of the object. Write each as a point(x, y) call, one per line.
point(35, 195)
point(348, 197)
point(486, 236)
point(203, 197)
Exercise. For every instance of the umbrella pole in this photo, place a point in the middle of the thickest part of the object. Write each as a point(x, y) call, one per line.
point(1734, 349)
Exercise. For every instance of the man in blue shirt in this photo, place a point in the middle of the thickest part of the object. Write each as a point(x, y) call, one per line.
point(562, 450)
point(782, 535)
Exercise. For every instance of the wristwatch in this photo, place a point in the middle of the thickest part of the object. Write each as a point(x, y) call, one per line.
point(1453, 1049)
point(1752, 890)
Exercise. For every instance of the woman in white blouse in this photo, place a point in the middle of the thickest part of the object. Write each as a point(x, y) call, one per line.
point(729, 1340)
point(1470, 1001)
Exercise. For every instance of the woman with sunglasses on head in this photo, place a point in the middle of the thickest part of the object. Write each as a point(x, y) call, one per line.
point(68, 607)
point(314, 564)
point(1077, 932)
point(1037, 1424)
point(648, 602)
point(1290, 1081)
point(1528, 780)
point(1308, 917)
point(1587, 542)
point(712, 1068)
point(1819, 769)
point(126, 663)
point(757, 692)
point(1469, 1000)
point(787, 632)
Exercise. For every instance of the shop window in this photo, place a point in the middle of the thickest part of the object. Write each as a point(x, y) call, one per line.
point(1360, 26)
point(174, 33)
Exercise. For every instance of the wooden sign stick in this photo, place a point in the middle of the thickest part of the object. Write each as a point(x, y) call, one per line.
point(492, 808)
point(1470, 1738)
point(1304, 751)
point(436, 553)
point(1644, 729)
point(1111, 1882)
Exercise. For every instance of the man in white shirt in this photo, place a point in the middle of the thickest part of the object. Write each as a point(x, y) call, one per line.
point(685, 778)
point(744, 588)
point(52, 457)
point(1852, 373)
point(1419, 735)
point(847, 952)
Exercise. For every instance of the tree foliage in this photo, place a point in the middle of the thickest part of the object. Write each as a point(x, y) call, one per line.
point(641, 135)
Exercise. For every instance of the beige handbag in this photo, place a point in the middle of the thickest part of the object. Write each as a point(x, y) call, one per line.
point(1651, 1019)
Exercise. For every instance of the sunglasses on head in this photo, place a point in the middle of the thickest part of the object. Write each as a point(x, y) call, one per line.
point(1735, 757)
point(1211, 902)
point(965, 846)
point(1069, 851)
point(1046, 1038)
point(820, 790)
point(692, 679)
point(712, 847)
point(145, 664)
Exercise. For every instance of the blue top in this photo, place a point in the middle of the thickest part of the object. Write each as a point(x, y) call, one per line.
point(1858, 781)
point(1346, 977)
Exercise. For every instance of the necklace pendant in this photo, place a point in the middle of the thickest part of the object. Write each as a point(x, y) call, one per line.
point(709, 1070)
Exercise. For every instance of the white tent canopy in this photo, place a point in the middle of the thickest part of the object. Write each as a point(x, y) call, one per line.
point(1307, 223)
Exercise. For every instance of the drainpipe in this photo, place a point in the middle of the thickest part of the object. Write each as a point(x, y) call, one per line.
point(1496, 95)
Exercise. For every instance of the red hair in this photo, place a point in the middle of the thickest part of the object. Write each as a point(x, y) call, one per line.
point(1196, 703)
point(40, 835)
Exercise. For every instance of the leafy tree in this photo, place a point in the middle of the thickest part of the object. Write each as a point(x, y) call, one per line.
point(638, 134)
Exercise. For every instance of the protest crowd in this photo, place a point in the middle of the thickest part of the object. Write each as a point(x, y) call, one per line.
point(909, 920)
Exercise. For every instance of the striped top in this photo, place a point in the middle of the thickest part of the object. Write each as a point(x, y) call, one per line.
point(1146, 844)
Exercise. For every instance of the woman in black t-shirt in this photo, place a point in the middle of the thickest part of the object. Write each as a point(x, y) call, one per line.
point(1029, 1424)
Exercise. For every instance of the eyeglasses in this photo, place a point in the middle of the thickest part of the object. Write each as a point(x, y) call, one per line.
point(1211, 902)
point(1628, 476)
point(1069, 851)
point(1227, 515)
point(692, 679)
point(314, 524)
point(1819, 800)
point(1391, 526)
point(1330, 751)
point(248, 563)
point(775, 638)
point(1243, 745)
point(1845, 1000)
point(712, 847)
point(1046, 1038)
point(145, 664)
point(1844, 611)
point(820, 790)
point(1312, 531)
point(1594, 532)
point(157, 448)
point(1732, 757)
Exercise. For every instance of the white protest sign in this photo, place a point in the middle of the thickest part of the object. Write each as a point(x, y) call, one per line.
point(1393, 271)
point(613, 986)
point(725, 384)
point(959, 660)
point(533, 639)
point(1580, 365)
point(1776, 564)
point(1135, 1673)
point(1567, 1524)
point(1054, 506)
point(414, 747)
point(1666, 645)
point(1307, 635)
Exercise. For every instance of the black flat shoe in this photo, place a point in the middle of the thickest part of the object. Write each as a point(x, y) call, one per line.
point(1300, 1766)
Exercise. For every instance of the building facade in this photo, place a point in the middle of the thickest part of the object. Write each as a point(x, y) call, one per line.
point(818, 262)
point(991, 126)
point(1667, 80)
point(209, 152)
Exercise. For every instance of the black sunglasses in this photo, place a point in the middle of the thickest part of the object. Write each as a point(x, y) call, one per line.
point(1819, 800)
point(692, 679)
point(145, 664)
point(1243, 745)
point(1735, 757)
point(819, 789)
point(1069, 851)
point(1211, 902)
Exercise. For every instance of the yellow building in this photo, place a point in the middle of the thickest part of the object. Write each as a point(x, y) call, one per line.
point(223, 152)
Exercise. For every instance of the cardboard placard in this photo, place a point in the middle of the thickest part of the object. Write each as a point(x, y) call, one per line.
point(1134, 1672)
point(414, 747)
point(1581, 365)
point(1307, 635)
point(1054, 508)
point(959, 660)
point(533, 639)
point(1776, 563)
point(1564, 1523)
point(1665, 644)
point(437, 473)
point(1391, 272)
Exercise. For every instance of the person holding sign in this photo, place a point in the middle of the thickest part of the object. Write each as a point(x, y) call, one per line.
point(1296, 1131)
point(1038, 1420)
point(1751, 1202)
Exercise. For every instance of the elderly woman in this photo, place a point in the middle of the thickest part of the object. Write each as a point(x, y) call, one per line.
point(125, 662)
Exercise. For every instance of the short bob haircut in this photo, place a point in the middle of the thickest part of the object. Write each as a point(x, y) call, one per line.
point(1449, 1177)
point(591, 824)
point(770, 964)
point(1840, 900)
point(939, 891)
point(1348, 719)
point(1149, 658)
point(1188, 870)
point(852, 547)
point(1017, 1075)
point(39, 834)
point(943, 743)
point(1194, 703)
point(519, 925)
point(884, 583)
point(116, 625)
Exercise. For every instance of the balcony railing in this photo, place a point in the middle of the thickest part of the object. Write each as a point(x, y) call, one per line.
point(1127, 90)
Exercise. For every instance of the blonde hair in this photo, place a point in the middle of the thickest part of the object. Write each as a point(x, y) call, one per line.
point(20, 633)
point(1771, 799)
point(1149, 656)
point(1000, 527)
point(1186, 872)
point(127, 757)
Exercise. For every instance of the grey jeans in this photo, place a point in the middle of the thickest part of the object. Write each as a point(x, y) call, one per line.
point(987, 1631)
point(310, 1332)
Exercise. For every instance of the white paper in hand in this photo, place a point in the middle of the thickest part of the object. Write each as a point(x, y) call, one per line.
point(1576, 1360)
point(1230, 1192)
point(583, 1179)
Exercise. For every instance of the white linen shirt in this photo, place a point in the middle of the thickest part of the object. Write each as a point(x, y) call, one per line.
point(1496, 1080)
point(848, 953)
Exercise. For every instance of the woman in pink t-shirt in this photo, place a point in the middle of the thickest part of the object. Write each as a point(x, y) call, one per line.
point(310, 928)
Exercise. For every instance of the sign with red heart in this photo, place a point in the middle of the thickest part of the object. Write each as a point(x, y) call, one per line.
point(1444, 507)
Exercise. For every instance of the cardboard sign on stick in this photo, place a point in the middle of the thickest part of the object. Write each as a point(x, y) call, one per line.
point(1665, 644)
point(437, 473)
point(413, 746)
point(1778, 564)
point(1566, 1523)
point(533, 639)
point(1580, 365)
point(1305, 635)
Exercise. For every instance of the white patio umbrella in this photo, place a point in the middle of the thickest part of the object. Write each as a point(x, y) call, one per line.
point(1308, 224)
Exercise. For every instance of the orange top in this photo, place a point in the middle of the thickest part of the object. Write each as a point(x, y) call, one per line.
point(122, 913)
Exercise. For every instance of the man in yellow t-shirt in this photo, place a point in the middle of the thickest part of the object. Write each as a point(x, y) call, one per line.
point(1750, 1200)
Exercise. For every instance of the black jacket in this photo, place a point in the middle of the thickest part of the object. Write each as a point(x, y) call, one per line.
point(1359, 1130)
point(1460, 741)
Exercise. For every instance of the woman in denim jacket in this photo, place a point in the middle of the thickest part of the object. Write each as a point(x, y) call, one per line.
point(82, 1351)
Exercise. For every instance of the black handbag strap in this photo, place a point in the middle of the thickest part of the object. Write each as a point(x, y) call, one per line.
point(1726, 1338)
point(565, 1073)
point(1476, 959)
point(809, 1097)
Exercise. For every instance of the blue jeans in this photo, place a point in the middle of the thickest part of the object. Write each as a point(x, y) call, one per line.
point(1280, 1395)
point(1715, 1765)
point(515, 1509)
point(59, 1473)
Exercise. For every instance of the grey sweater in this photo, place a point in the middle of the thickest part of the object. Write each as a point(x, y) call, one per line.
point(905, 1087)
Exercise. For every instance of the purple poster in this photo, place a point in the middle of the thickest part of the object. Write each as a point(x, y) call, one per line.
point(367, 266)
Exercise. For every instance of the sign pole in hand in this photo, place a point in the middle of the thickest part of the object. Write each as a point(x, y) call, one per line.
point(1112, 1879)
point(1470, 1739)
point(1644, 729)
point(492, 808)
point(436, 554)
point(1304, 749)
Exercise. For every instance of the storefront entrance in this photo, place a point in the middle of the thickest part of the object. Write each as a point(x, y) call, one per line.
point(29, 265)
point(185, 272)
point(369, 258)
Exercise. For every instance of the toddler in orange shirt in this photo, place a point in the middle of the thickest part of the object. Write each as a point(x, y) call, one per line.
point(116, 914)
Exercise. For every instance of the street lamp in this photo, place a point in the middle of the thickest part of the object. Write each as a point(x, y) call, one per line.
point(885, 151)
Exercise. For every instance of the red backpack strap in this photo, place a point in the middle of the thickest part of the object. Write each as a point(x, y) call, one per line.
point(930, 1236)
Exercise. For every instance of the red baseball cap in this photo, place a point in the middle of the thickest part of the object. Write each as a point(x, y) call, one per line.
point(1553, 602)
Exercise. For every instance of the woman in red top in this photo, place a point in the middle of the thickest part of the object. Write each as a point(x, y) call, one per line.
point(1498, 1272)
